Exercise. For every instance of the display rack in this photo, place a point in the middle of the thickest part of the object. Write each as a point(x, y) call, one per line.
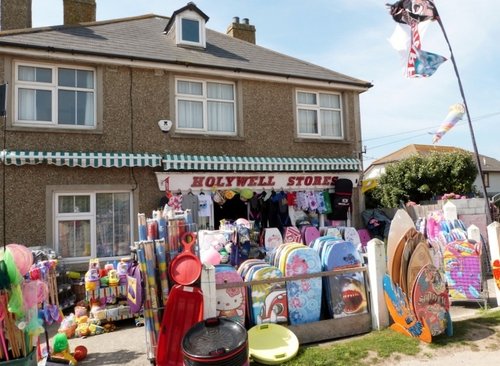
point(324, 329)
point(113, 311)
point(65, 295)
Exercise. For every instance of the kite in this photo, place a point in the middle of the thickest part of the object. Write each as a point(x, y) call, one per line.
point(455, 114)
point(414, 15)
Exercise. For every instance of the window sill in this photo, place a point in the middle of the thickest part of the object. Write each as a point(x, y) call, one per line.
point(181, 135)
point(321, 140)
point(97, 131)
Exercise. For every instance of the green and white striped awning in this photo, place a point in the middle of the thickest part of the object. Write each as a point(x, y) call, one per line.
point(253, 164)
point(80, 159)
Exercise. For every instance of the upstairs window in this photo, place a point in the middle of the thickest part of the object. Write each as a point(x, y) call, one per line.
point(52, 96)
point(191, 30)
point(205, 107)
point(319, 115)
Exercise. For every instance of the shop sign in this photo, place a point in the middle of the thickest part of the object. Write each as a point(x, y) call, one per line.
point(287, 181)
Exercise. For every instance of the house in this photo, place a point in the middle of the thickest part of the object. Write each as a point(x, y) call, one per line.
point(104, 117)
point(489, 166)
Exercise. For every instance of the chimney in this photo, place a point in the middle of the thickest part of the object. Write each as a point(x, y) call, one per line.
point(15, 14)
point(243, 30)
point(79, 11)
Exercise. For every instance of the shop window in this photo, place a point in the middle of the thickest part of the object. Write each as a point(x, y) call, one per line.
point(54, 96)
point(205, 107)
point(319, 115)
point(94, 224)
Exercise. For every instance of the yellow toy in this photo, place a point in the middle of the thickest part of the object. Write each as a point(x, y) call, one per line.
point(92, 282)
point(61, 349)
point(82, 330)
point(113, 278)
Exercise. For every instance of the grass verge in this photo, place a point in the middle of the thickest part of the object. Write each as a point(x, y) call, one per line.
point(377, 346)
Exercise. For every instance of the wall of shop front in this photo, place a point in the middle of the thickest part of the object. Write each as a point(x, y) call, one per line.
point(26, 211)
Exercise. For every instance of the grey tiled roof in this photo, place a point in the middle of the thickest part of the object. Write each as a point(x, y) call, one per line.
point(142, 38)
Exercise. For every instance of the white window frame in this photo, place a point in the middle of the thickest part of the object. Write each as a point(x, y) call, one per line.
point(204, 100)
point(91, 216)
point(317, 108)
point(191, 15)
point(53, 87)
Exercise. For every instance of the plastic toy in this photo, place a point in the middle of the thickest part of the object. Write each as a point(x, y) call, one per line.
point(80, 352)
point(61, 348)
point(104, 281)
point(113, 278)
point(122, 269)
point(92, 282)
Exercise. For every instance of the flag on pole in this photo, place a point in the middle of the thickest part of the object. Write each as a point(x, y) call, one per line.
point(455, 114)
point(410, 11)
point(412, 17)
point(426, 63)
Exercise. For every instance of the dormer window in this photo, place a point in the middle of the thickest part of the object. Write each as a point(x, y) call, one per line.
point(188, 23)
point(191, 32)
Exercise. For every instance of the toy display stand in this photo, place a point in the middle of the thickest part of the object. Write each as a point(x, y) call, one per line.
point(110, 294)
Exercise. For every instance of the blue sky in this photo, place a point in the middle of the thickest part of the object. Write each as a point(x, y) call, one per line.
point(351, 37)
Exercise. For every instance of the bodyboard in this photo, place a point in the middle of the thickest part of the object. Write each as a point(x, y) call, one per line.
point(283, 255)
point(272, 238)
point(405, 321)
point(400, 224)
point(269, 301)
point(345, 293)
point(462, 269)
point(430, 299)
point(231, 302)
point(310, 234)
point(408, 249)
point(304, 295)
point(292, 235)
point(250, 300)
point(351, 234)
point(334, 231)
point(420, 257)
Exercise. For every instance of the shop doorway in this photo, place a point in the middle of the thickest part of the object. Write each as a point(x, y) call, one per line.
point(232, 209)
